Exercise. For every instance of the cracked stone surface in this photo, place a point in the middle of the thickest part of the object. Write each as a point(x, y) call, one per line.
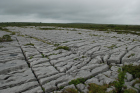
point(39, 68)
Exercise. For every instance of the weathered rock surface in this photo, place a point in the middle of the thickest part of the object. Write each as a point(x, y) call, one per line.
point(31, 63)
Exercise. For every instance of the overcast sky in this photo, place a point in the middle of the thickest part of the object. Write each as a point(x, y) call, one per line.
point(71, 11)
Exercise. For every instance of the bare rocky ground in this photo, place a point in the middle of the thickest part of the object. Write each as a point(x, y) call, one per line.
point(30, 63)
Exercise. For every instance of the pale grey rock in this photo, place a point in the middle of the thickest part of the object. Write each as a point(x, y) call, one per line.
point(70, 86)
point(80, 86)
point(105, 58)
point(114, 68)
point(12, 66)
point(136, 64)
point(63, 84)
point(100, 69)
point(129, 76)
point(137, 86)
point(107, 73)
point(48, 78)
point(93, 80)
point(46, 64)
point(49, 87)
point(120, 65)
point(114, 74)
point(113, 60)
point(3, 33)
point(90, 52)
point(113, 64)
point(94, 61)
point(109, 89)
point(130, 87)
point(34, 90)
point(36, 61)
point(54, 57)
point(56, 92)
point(41, 71)
point(62, 69)
point(100, 59)
point(131, 82)
point(86, 90)
point(20, 88)
point(105, 79)
point(108, 80)
point(82, 73)
point(47, 70)
point(90, 66)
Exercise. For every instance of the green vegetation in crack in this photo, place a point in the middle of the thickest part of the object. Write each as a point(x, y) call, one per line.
point(43, 56)
point(43, 89)
point(61, 87)
point(73, 29)
point(94, 88)
point(62, 47)
point(41, 40)
point(137, 81)
point(56, 44)
point(83, 57)
point(65, 42)
point(93, 41)
point(52, 54)
point(112, 46)
point(114, 37)
point(77, 81)
point(134, 70)
point(5, 38)
point(129, 91)
point(92, 35)
point(49, 28)
point(76, 59)
point(20, 35)
point(131, 55)
point(4, 29)
point(13, 33)
point(1, 46)
point(119, 84)
point(31, 57)
point(31, 44)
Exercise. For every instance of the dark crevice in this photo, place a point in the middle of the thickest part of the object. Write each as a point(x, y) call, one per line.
point(30, 66)
point(23, 54)
point(53, 64)
point(123, 56)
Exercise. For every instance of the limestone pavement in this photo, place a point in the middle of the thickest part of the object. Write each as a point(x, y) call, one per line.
point(31, 64)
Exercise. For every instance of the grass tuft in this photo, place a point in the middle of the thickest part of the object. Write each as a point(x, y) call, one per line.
point(13, 33)
point(130, 91)
point(62, 47)
point(94, 88)
point(131, 55)
point(56, 44)
point(5, 38)
point(120, 82)
point(31, 44)
point(137, 81)
point(134, 70)
point(77, 81)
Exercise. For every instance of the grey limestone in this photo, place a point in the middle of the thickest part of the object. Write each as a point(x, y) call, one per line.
point(23, 68)
point(129, 77)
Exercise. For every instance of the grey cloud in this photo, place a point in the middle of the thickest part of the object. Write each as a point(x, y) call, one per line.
point(92, 11)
